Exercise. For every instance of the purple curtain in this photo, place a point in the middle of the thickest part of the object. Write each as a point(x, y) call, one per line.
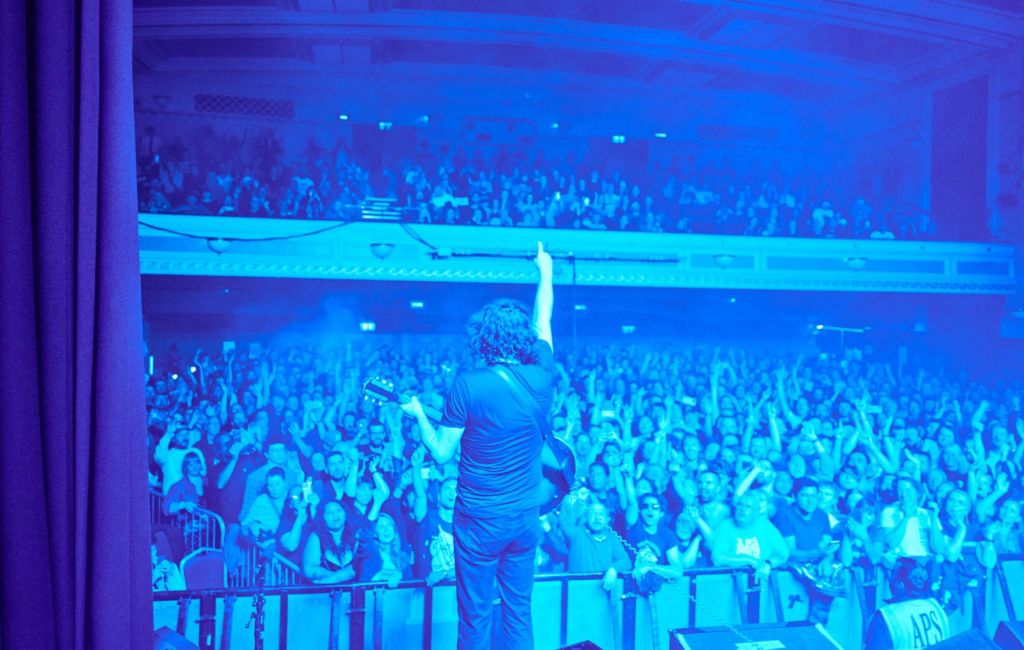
point(74, 530)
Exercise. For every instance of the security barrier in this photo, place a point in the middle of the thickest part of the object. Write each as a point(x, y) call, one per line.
point(186, 531)
point(567, 608)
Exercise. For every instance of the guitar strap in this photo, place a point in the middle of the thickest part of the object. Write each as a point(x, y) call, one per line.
point(515, 383)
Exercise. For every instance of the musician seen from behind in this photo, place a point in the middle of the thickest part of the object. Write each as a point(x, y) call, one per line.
point(496, 522)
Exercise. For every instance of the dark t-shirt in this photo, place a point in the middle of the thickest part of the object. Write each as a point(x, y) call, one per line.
point(500, 466)
point(435, 547)
point(230, 499)
point(356, 520)
point(650, 547)
point(808, 533)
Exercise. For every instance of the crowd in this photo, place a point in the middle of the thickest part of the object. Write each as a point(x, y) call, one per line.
point(220, 174)
point(686, 458)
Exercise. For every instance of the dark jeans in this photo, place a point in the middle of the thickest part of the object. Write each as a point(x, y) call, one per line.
point(485, 550)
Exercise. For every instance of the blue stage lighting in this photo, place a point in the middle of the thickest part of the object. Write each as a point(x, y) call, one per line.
point(618, 139)
point(368, 326)
point(416, 304)
point(343, 117)
point(661, 135)
point(628, 329)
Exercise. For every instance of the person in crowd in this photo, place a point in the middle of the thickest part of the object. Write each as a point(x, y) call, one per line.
point(190, 492)
point(166, 576)
point(384, 557)
point(297, 521)
point(264, 517)
point(277, 457)
point(807, 532)
point(170, 452)
point(961, 553)
point(237, 456)
point(748, 539)
point(593, 547)
point(436, 554)
point(657, 556)
point(491, 191)
point(691, 542)
point(907, 525)
point(804, 527)
point(1006, 531)
point(895, 439)
point(326, 558)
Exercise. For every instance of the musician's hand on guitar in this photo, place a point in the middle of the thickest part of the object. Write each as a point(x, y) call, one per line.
point(413, 407)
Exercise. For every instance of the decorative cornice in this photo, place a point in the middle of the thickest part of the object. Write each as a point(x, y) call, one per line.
point(602, 258)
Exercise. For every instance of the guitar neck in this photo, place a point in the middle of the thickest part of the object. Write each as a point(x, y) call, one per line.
point(381, 394)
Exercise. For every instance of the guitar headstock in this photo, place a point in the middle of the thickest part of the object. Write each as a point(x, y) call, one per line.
point(379, 391)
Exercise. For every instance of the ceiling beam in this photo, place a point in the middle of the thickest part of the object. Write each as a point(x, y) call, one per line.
point(933, 20)
point(485, 28)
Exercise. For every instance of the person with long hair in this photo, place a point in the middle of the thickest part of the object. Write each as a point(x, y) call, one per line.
point(962, 555)
point(327, 559)
point(496, 523)
point(384, 556)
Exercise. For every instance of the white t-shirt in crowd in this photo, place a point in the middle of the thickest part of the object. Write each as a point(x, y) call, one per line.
point(915, 536)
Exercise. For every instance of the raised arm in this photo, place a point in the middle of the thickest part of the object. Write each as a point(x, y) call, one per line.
point(545, 300)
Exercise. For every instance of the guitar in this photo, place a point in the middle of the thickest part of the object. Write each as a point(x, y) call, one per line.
point(557, 459)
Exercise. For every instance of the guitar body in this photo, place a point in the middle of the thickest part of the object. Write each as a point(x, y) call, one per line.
point(559, 469)
point(559, 463)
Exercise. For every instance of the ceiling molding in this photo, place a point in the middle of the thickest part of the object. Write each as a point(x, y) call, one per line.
point(603, 259)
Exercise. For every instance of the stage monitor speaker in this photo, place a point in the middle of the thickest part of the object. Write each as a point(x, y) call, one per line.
point(1010, 635)
point(788, 635)
point(582, 645)
point(167, 639)
point(969, 640)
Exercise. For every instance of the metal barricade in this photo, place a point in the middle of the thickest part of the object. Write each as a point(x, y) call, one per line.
point(363, 615)
point(200, 528)
point(280, 571)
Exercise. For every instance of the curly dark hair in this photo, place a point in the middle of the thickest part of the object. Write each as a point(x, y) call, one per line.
point(503, 330)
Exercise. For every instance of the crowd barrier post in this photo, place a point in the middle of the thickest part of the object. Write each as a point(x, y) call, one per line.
point(282, 628)
point(563, 627)
point(752, 593)
point(207, 622)
point(428, 616)
point(183, 603)
point(629, 597)
point(357, 619)
point(378, 618)
point(1004, 587)
point(334, 631)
